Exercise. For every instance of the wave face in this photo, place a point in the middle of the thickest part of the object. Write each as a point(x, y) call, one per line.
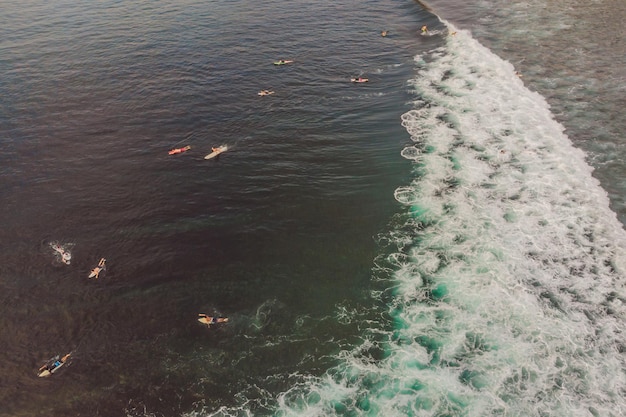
point(507, 277)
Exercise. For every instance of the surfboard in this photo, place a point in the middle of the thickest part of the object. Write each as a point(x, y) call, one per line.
point(219, 150)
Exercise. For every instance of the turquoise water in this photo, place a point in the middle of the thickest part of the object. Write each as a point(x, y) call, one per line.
point(429, 243)
point(507, 277)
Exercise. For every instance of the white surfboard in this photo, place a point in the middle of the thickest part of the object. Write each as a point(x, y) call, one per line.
point(219, 150)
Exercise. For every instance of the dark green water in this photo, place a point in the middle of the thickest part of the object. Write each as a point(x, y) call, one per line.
point(278, 234)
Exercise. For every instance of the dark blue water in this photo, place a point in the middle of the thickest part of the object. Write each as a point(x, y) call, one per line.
point(491, 284)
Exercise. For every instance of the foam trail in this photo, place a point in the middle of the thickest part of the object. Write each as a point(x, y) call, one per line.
point(508, 277)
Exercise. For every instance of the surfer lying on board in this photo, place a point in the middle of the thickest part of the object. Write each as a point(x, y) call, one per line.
point(179, 150)
point(52, 365)
point(216, 151)
point(359, 80)
point(95, 273)
point(208, 320)
point(264, 93)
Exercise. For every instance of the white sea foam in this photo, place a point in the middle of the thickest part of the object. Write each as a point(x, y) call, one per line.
point(508, 277)
point(515, 291)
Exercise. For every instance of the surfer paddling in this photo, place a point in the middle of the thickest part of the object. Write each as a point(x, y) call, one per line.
point(53, 365)
point(359, 80)
point(264, 93)
point(209, 320)
point(176, 151)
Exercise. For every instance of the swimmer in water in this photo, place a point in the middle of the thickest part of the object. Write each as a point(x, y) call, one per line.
point(383, 33)
point(424, 30)
point(65, 255)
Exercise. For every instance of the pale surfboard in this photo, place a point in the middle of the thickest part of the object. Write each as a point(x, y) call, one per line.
point(217, 152)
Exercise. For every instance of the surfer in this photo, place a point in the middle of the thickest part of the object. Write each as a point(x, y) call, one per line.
point(95, 273)
point(209, 320)
point(359, 80)
point(282, 62)
point(264, 93)
point(65, 255)
point(383, 33)
point(52, 365)
point(179, 150)
point(424, 30)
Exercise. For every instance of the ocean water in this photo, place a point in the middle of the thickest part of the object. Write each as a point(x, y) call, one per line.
point(443, 240)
